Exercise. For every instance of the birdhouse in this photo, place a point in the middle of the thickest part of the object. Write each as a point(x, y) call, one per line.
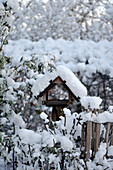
point(62, 88)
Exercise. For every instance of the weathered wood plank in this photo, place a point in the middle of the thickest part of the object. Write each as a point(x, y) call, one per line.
point(88, 139)
point(97, 137)
point(107, 134)
point(82, 136)
point(54, 114)
point(56, 103)
point(112, 136)
point(58, 80)
point(93, 139)
point(44, 97)
point(83, 141)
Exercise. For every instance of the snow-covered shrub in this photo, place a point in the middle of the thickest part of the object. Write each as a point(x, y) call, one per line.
point(91, 62)
point(74, 19)
point(56, 146)
point(19, 78)
point(7, 10)
point(100, 162)
point(52, 147)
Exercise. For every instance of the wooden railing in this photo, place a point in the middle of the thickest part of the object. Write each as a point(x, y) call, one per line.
point(91, 136)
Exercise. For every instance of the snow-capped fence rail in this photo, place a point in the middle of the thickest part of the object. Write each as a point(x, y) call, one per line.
point(95, 122)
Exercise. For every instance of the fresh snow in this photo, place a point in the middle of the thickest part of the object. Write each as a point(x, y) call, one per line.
point(110, 109)
point(110, 151)
point(91, 102)
point(78, 89)
point(103, 117)
point(43, 116)
point(29, 136)
point(17, 120)
point(66, 144)
point(72, 54)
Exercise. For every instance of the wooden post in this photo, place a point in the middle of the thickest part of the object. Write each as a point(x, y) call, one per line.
point(93, 139)
point(83, 141)
point(112, 136)
point(88, 139)
point(55, 116)
point(107, 134)
point(82, 136)
point(97, 137)
point(54, 113)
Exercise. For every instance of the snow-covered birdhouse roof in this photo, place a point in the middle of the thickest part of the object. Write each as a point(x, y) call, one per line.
point(63, 74)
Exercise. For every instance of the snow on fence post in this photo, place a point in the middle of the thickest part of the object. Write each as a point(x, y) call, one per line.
point(91, 105)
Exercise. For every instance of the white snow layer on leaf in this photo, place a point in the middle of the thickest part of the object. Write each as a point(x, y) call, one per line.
point(17, 120)
point(10, 81)
point(66, 144)
point(3, 120)
point(43, 116)
point(67, 112)
point(110, 109)
point(78, 89)
point(13, 4)
point(92, 102)
point(101, 153)
point(110, 151)
point(53, 158)
point(47, 139)
point(29, 136)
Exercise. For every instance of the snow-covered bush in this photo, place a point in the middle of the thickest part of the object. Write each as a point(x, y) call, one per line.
point(74, 19)
point(17, 100)
point(91, 62)
point(52, 147)
point(19, 78)
point(7, 9)
point(100, 161)
point(57, 145)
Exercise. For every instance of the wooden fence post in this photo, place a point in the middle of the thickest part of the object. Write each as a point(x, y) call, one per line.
point(93, 139)
point(88, 139)
point(112, 136)
point(107, 134)
point(83, 140)
point(97, 136)
point(82, 136)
